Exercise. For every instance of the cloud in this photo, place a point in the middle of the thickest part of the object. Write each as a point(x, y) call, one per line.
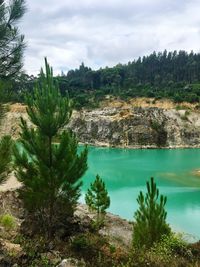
point(104, 33)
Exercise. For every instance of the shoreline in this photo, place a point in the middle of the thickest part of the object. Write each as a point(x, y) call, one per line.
point(107, 145)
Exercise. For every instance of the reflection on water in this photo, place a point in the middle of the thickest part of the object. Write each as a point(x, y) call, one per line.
point(126, 172)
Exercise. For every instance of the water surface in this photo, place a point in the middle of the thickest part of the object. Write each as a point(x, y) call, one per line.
point(126, 171)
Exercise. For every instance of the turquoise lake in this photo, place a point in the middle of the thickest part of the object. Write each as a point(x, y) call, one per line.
point(126, 171)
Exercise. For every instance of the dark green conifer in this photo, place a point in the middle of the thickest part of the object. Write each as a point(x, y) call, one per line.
point(150, 219)
point(11, 42)
point(50, 173)
point(5, 157)
point(97, 197)
point(11, 50)
point(5, 144)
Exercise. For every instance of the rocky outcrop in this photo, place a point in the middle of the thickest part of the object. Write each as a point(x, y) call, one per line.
point(136, 127)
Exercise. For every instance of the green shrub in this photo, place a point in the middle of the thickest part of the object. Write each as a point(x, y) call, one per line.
point(172, 246)
point(171, 251)
point(32, 247)
point(8, 221)
point(89, 245)
point(96, 250)
point(81, 242)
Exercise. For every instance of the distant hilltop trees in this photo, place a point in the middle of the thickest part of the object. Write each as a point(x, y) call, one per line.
point(174, 75)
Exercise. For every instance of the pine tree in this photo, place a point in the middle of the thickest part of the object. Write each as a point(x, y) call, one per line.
point(5, 144)
point(97, 198)
point(150, 219)
point(11, 50)
point(50, 173)
point(5, 157)
point(11, 42)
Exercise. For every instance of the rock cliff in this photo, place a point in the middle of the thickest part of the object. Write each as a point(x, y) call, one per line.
point(136, 127)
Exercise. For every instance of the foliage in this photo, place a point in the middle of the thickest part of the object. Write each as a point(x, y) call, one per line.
point(8, 221)
point(35, 252)
point(171, 245)
point(97, 251)
point(11, 51)
point(11, 42)
point(5, 157)
point(50, 173)
point(88, 244)
point(174, 75)
point(80, 243)
point(150, 219)
point(6, 91)
point(171, 250)
point(97, 197)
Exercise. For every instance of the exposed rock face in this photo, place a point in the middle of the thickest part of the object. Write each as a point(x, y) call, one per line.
point(126, 127)
point(138, 127)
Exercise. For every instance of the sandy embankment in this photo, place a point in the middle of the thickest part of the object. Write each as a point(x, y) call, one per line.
point(10, 184)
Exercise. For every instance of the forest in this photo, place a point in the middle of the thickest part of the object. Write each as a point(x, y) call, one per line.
point(173, 75)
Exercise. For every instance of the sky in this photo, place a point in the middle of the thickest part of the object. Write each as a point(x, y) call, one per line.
point(105, 33)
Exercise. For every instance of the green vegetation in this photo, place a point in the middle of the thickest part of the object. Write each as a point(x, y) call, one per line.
point(170, 251)
point(97, 198)
point(11, 42)
point(173, 75)
point(150, 219)
point(97, 250)
point(11, 51)
point(8, 221)
point(5, 157)
point(50, 173)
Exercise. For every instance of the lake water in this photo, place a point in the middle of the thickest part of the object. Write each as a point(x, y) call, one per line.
point(126, 171)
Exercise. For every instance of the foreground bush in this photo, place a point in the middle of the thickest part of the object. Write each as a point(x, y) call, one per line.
point(170, 251)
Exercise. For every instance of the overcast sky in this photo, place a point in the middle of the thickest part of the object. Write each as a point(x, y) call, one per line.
point(104, 33)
